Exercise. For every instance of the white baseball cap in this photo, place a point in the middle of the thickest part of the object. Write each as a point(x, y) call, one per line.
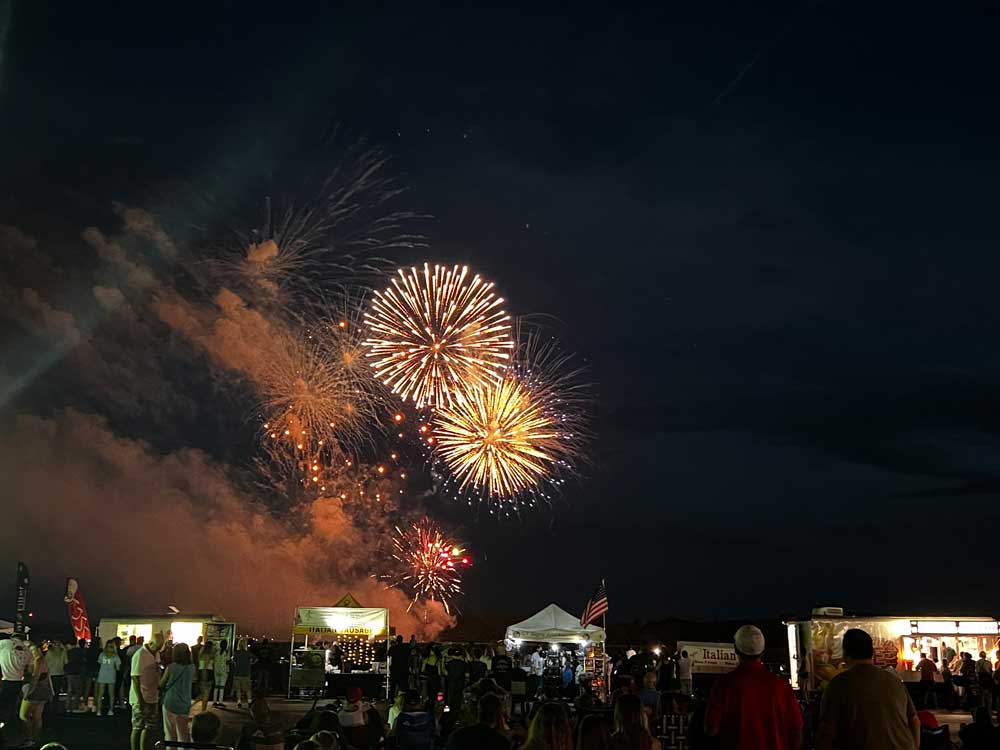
point(749, 640)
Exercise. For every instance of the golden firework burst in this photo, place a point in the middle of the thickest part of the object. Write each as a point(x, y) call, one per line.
point(513, 441)
point(435, 334)
point(498, 438)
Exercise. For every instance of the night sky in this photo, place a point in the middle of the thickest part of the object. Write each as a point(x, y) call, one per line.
point(768, 230)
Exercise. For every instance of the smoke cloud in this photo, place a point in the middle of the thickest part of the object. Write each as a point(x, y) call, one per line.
point(138, 336)
point(145, 530)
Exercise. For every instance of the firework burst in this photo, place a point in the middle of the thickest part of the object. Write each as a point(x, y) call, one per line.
point(342, 325)
point(435, 334)
point(308, 399)
point(513, 442)
point(430, 563)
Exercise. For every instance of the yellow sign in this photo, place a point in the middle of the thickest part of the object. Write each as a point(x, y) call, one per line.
point(362, 621)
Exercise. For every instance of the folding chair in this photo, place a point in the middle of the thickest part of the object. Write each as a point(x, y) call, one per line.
point(935, 739)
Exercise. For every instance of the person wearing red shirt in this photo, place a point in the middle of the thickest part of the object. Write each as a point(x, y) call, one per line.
point(750, 708)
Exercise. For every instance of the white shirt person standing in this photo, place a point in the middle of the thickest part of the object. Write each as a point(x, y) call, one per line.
point(144, 693)
point(684, 673)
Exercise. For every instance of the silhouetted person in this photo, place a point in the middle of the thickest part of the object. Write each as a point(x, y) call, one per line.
point(866, 708)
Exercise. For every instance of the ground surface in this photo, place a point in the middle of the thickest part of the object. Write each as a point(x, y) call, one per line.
point(89, 732)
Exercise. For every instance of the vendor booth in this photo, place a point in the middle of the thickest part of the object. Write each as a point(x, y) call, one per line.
point(816, 654)
point(563, 635)
point(334, 648)
point(180, 628)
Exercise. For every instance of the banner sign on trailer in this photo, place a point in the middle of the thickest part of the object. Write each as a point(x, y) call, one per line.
point(710, 658)
point(77, 610)
point(363, 621)
point(21, 609)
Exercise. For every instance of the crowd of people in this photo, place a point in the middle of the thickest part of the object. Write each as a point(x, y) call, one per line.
point(460, 698)
point(965, 681)
point(157, 682)
point(485, 724)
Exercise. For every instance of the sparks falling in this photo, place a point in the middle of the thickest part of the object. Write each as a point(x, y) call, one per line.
point(436, 334)
point(430, 563)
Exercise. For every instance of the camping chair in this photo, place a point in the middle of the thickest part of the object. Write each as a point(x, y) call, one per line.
point(935, 739)
point(166, 744)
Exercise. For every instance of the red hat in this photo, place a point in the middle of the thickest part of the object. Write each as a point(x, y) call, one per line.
point(353, 694)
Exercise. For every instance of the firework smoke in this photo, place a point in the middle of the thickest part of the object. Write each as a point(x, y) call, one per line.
point(143, 528)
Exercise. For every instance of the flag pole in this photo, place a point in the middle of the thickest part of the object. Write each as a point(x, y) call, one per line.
point(604, 617)
point(604, 647)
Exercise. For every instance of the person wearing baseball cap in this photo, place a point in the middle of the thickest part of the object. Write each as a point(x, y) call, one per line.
point(750, 708)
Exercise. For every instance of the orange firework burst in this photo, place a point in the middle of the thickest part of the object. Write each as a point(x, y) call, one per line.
point(434, 334)
point(430, 563)
point(306, 396)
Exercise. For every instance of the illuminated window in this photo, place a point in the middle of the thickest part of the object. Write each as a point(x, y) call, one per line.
point(977, 628)
point(793, 655)
point(144, 631)
point(186, 632)
point(937, 627)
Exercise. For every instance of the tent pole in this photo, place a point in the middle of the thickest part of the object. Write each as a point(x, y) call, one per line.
point(291, 661)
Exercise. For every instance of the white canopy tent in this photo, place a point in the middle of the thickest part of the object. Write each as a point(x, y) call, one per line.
point(554, 625)
point(6, 626)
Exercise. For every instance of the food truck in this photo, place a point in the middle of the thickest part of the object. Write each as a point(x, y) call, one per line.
point(333, 648)
point(815, 651)
point(181, 628)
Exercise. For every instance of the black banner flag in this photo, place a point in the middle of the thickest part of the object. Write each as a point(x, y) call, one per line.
point(21, 610)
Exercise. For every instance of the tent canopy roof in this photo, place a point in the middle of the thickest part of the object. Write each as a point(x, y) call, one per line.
point(554, 625)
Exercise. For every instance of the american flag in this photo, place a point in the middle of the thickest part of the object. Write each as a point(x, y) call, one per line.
point(596, 607)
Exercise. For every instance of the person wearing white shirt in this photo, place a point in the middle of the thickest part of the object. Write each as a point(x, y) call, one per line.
point(14, 658)
point(144, 694)
point(538, 663)
point(538, 667)
point(684, 673)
